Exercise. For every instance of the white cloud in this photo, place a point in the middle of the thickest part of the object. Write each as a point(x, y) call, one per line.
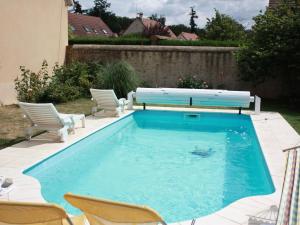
point(176, 11)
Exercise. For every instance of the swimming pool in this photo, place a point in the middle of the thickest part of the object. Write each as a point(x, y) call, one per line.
point(184, 165)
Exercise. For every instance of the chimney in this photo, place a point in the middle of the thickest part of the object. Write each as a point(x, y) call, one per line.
point(140, 15)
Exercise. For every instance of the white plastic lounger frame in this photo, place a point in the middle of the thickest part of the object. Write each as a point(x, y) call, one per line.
point(45, 117)
point(107, 101)
point(195, 97)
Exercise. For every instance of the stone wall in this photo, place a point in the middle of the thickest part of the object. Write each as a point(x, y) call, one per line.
point(162, 66)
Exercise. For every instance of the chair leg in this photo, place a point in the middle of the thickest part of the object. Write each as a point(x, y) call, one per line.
point(83, 122)
point(72, 126)
point(63, 133)
point(29, 132)
point(122, 108)
point(94, 110)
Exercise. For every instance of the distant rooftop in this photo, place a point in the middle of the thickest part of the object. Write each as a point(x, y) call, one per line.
point(84, 25)
point(148, 23)
point(188, 36)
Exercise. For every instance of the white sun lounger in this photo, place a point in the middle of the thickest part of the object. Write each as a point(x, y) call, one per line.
point(107, 101)
point(44, 116)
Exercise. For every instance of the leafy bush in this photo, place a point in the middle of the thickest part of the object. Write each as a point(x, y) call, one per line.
point(59, 93)
point(75, 75)
point(191, 82)
point(30, 86)
point(73, 81)
point(121, 77)
point(95, 69)
point(273, 49)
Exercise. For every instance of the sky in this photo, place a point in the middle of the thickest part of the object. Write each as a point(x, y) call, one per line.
point(177, 11)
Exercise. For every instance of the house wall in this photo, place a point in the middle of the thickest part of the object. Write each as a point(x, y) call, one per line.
point(32, 30)
point(162, 66)
point(136, 27)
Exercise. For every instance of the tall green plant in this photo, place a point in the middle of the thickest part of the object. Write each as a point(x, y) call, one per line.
point(273, 49)
point(75, 75)
point(30, 85)
point(223, 27)
point(121, 77)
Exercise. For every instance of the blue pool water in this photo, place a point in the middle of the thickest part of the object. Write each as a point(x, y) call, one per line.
point(184, 166)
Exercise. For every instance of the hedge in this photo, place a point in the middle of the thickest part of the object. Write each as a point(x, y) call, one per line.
point(146, 41)
point(110, 41)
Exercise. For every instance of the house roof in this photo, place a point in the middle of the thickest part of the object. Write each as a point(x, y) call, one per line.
point(148, 24)
point(84, 25)
point(188, 36)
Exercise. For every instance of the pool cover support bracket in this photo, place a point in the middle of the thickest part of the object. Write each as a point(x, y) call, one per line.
point(240, 110)
point(144, 106)
point(191, 101)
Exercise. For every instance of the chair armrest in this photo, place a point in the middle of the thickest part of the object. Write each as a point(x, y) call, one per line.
point(123, 101)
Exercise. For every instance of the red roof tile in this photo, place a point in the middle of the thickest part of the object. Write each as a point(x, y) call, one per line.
point(188, 36)
point(148, 23)
point(84, 25)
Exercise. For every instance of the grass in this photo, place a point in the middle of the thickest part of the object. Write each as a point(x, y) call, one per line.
point(292, 115)
point(12, 123)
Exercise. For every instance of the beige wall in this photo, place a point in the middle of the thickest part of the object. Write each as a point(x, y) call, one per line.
point(162, 66)
point(31, 31)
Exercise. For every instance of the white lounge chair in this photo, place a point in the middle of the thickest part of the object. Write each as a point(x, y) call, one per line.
point(107, 101)
point(44, 116)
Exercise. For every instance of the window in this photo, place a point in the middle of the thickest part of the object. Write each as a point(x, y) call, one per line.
point(87, 29)
point(95, 31)
point(104, 31)
point(72, 28)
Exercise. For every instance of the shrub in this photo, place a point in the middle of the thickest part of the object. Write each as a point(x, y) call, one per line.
point(126, 40)
point(191, 82)
point(30, 86)
point(121, 77)
point(272, 50)
point(138, 40)
point(74, 75)
point(73, 81)
point(202, 42)
point(60, 93)
point(95, 69)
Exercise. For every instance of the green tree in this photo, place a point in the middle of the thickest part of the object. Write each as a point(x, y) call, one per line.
point(100, 9)
point(179, 28)
point(77, 7)
point(223, 27)
point(273, 49)
point(194, 16)
point(157, 18)
point(116, 23)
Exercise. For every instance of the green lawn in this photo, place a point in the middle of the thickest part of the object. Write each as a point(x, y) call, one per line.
point(12, 123)
point(292, 115)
